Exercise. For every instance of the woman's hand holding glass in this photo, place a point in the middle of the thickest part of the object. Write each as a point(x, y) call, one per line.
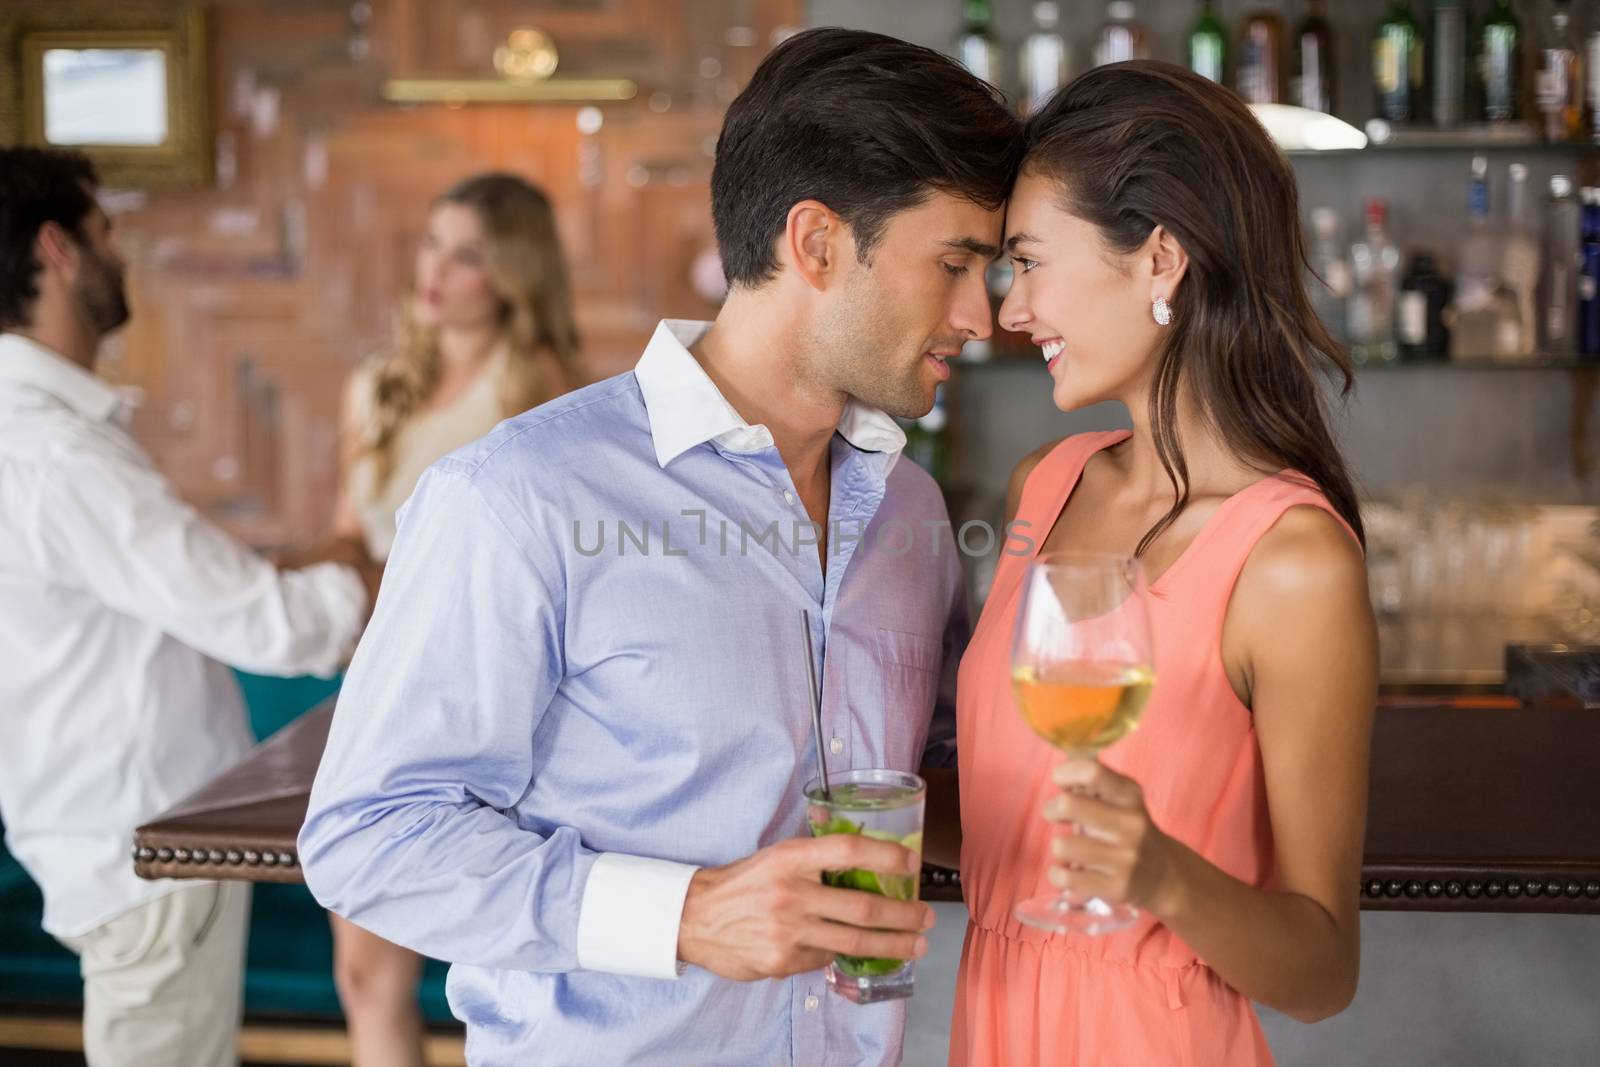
point(1116, 852)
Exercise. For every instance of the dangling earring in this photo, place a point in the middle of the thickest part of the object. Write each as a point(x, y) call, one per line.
point(1162, 311)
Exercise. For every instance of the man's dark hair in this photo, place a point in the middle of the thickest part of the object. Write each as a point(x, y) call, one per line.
point(868, 125)
point(37, 185)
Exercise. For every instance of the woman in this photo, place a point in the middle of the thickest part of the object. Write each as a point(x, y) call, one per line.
point(1158, 262)
point(488, 333)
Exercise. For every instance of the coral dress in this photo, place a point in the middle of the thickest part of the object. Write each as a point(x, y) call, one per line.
point(1139, 997)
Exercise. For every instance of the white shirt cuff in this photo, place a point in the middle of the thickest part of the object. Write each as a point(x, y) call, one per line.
point(628, 921)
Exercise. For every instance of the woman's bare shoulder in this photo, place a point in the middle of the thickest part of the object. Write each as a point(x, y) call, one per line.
point(1308, 552)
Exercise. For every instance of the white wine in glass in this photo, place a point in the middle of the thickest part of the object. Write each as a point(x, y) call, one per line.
point(1082, 667)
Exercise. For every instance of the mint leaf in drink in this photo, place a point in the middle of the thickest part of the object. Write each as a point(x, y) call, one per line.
point(868, 967)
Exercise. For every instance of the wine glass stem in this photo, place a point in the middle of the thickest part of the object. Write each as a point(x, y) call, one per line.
point(1071, 829)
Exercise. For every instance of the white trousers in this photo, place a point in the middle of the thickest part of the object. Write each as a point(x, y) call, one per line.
point(162, 983)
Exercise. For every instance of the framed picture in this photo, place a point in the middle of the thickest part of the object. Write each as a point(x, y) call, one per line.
point(127, 87)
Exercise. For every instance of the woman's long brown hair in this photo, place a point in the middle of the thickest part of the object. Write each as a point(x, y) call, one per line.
point(528, 272)
point(1136, 145)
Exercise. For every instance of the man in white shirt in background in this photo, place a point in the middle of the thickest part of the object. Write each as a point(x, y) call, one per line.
point(121, 610)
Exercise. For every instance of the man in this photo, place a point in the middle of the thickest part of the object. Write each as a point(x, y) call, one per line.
point(118, 608)
point(571, 750)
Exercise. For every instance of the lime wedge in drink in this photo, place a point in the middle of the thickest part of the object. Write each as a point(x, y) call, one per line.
point(911, 841)
point(893, 886)
point(838, 824)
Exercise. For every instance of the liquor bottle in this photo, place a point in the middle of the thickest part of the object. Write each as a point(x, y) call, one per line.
point(1424, 293)
point(1520, 266)
point(1589, 278)
point(1121, 38)
point(1330, 282)
point(1375, 272)
point(976, 46)
point(1563, 258)
point(1044, 57)
point(1397, 66)
point(1447, 56)
point(1560, 86)
point(1259, 71)
point(1485, 323)
point(1500, 64)
point(1591, 72)
point(1477, 273)
point(1311, 84)
point(1208, 45)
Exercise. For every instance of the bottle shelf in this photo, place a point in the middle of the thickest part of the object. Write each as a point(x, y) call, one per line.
point(1489, 140)
point(1538, 362)
point(1024, 361)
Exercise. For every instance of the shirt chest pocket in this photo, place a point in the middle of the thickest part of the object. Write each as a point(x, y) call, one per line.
point(908, 676)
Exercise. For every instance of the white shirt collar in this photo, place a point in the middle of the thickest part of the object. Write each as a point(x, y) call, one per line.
point(686, 408)
point(27, 363)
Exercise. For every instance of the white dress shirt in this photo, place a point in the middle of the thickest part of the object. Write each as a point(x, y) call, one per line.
point(119, 606)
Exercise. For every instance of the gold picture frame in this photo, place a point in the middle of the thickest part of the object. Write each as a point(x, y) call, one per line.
point(158, 134)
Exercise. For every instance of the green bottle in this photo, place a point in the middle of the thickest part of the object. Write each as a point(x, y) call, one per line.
point(1500, 64)
point(976, 47)
point(1397, 66)
point(1208, 45)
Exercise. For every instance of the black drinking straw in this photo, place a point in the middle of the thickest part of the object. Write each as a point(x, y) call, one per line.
point(816, 705)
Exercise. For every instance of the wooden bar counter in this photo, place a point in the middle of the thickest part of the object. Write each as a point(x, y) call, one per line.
point(1473, 809)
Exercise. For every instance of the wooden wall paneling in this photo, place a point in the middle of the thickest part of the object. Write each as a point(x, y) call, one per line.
point(255, 297)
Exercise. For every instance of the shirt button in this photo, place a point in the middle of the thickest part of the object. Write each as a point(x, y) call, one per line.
point(836, 746)
point(788, 497)
point(812, 1003)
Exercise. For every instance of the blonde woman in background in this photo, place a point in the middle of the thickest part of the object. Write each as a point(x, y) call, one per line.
point(488, 333)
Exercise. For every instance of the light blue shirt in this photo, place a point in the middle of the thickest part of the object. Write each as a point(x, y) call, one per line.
point(586, 677)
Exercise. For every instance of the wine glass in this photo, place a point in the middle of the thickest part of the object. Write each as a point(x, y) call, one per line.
point(1082, 667)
